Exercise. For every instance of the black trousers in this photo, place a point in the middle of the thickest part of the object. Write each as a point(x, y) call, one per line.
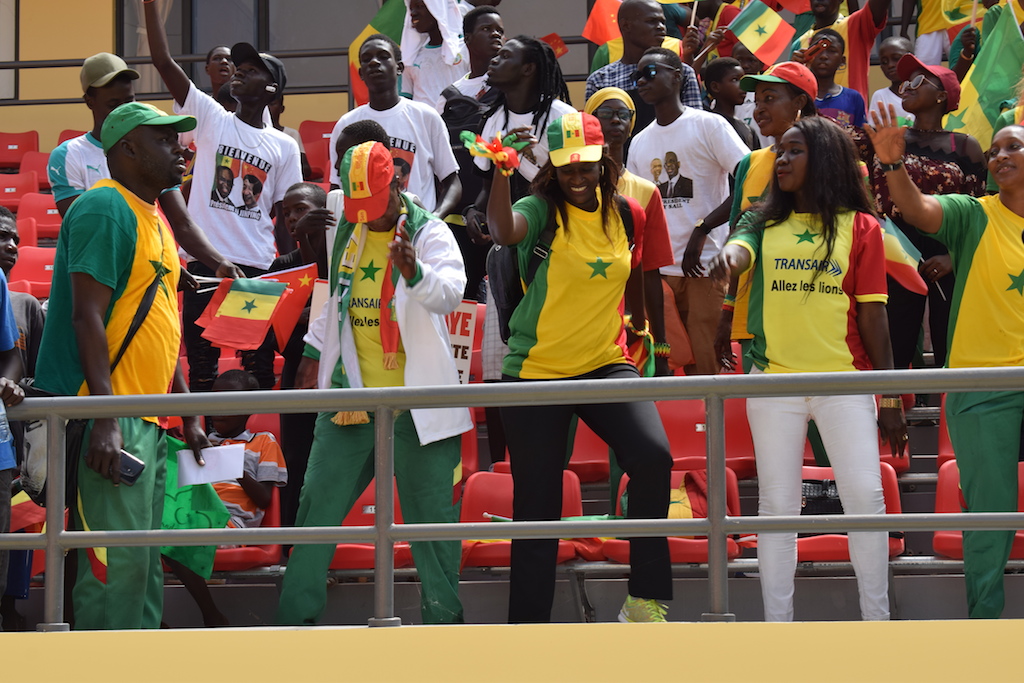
point(905, 310)
point(296, 429)
point(537, 441)
point(204, 357)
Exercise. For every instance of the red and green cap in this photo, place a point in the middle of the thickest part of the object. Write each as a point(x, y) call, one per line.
point(784, 72)
point(367, 171)
point(575, 137)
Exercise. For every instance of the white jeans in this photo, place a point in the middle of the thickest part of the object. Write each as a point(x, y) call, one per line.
point(849, 431)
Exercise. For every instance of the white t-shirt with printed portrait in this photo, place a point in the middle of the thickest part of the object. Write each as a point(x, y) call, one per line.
point(239, 173)
point(707, 150)
point(419, 143)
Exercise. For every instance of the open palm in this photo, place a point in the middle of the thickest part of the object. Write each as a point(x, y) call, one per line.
point(886, 134)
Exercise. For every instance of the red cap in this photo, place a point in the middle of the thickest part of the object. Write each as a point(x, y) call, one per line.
point(908, 64)
point(367, 171)
point(785, 72)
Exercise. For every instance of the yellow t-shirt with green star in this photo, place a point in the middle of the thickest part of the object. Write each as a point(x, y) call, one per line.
point(986, 318)
point(121, 242)
point(364, 313)
point(569, 322)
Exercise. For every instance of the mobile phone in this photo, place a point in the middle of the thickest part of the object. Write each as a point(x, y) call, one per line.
point(811, 52)
point(131, 468)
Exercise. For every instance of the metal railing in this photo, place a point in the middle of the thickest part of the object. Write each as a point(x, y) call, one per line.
point(385, 402)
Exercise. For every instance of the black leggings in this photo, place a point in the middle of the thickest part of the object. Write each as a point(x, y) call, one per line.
point(537, 440)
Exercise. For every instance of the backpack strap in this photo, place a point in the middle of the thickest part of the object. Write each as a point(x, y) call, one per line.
point(140, 316)
point(626, 213)
point(450, 92)
point(543, 247)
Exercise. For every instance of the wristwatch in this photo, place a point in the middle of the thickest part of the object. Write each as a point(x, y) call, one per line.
point(891, 167)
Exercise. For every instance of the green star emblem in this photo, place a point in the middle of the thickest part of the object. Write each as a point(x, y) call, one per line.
point(159, 271)
point(369, 273)
point(599, 268)
point(761, 30)
point(1017, 282)
point(956, 121)
point(249, 305)
point(955, 15)
point(808, 236)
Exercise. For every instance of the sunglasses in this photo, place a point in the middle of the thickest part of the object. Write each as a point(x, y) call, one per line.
point(916, 83)
point(606, 114)
point(648, 72)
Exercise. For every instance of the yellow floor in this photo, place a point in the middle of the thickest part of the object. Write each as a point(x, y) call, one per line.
point(935, 651)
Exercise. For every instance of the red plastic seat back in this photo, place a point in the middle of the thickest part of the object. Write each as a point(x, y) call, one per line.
point(491, 493)
point(42, 208)
point(364, 512)
point(13, 147)
point(69, 134)
point(38, 163)
point(35, 264)
point(14, 187)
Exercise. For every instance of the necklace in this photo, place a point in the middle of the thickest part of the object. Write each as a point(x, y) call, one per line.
point(258, 132)
point(929, 130)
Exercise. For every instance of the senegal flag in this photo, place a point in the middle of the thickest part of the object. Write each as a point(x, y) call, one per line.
point(902, 259)
point(991, 79)
point(241, 311)
point(762, 31)
point(389, 21)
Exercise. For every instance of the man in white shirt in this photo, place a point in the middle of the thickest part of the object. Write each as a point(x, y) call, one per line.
point(434, 50)
point(699, 150)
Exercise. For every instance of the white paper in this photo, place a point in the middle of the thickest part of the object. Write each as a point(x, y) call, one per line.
point(222, 463)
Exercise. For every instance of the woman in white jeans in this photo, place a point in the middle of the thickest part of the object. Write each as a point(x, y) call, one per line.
point(817, 304)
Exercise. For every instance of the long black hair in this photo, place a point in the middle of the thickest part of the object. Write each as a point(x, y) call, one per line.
point(550, 83)
point(545, 185)
point(833, 183)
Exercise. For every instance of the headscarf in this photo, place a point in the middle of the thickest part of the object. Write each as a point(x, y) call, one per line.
point(605, 94)
point(449, 22)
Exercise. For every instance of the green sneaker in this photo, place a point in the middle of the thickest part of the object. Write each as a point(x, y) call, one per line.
point(636, 610)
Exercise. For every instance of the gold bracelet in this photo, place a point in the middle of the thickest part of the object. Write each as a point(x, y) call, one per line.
point(891, 403)
point(968, 58)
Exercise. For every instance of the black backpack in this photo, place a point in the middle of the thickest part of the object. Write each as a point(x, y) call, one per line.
point(462, 112)
point(503, 277)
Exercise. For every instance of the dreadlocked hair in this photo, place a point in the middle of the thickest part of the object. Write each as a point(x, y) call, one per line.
point(550, 83)
point(833, 184)
point(545, 185)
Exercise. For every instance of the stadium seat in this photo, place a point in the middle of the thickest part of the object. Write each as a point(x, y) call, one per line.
point(250, 556)
point(14, 145)
point(313, 131)
point(35, 264)
point(14, 186)
point(265, 422)
point(27, 233)
point(490, 493)
point(361, 555)
point(470, 454)
point(43, 208)
point(945, 444)
point(681, 550)
point(319, 159)
point(476, 363)
point(835, 547)
point(68, 134)
point(589, 455)
point(38, 163)
point(948, 499)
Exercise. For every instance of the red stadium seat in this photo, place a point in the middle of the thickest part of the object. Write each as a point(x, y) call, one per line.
point(835, 547)
point(35, 264)
point(470, 454)
point(69, 134)
point(27, 232)
point(250, 556)
point(38, 163)
point(681, 550)
point(945, 444)
point(313, 131)
point(265, 422)
point(14, 145)
point(589, 455)
point(361, 555)
point(490, 493)
point(948, 499)
point(43, 208)
point(14, 187)
point(319, 159)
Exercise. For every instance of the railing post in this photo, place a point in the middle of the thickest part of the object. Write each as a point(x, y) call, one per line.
point(384, 517)
point(718, 551)
point(56, 475)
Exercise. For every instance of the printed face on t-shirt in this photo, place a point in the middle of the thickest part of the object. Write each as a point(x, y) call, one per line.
point(237, 164)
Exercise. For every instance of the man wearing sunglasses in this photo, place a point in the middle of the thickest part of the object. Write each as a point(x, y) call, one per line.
point(642, 24)
point(699, 150)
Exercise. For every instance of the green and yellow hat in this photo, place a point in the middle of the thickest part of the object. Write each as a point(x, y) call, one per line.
point(131, 115)
point(367, 171)
point(575, 137)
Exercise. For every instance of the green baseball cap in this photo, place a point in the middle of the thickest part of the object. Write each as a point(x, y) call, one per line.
point(130, 115)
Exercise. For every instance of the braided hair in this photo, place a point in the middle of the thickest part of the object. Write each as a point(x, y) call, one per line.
point(550, 82)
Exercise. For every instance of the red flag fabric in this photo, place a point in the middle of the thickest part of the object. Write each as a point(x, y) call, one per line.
point(556, 43)
point(240, 313)
point(794, 6)
point(389, 21)
point(602, 24)
point(300, 286)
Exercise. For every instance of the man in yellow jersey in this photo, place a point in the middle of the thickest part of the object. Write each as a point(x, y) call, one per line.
point(932, 29)
point(396, 271)
point(117, 268)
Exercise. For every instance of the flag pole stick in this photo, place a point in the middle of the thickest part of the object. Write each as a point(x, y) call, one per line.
point(693, 13)
point(974, 13)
